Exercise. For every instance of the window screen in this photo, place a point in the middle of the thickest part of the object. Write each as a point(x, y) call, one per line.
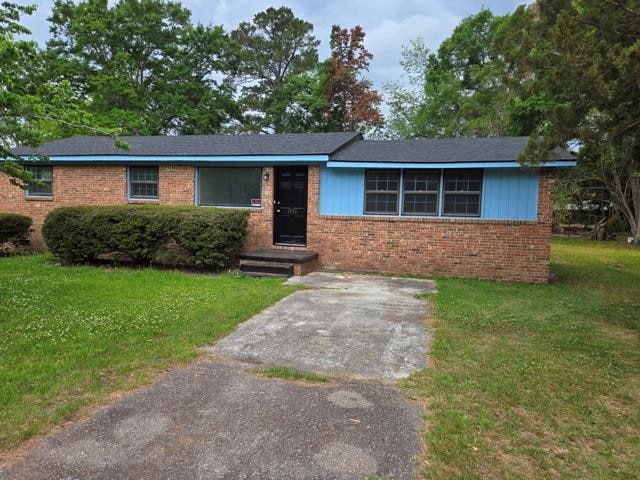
point(381, 191)
point(229, 187)
point(143, 182)
point(420, 192)
point(462, 190)
point(44, 174)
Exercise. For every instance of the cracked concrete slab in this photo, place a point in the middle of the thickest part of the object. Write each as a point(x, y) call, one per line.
point(215, 420)
point(361, 325)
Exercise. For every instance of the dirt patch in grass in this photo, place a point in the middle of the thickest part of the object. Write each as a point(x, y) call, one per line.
point(620, 334)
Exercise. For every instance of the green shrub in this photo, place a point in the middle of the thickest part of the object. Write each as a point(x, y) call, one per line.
point(14, 228)
point(616, 224)
point(148, 234)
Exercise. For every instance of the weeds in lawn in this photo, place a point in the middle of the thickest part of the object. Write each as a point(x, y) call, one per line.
point(289, 374)
point(73, 335)
point(537, 381)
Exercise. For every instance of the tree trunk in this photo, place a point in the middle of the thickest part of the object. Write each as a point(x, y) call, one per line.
point(635, 235)
point(599, 230)
point(629, 205)
point(635, 205)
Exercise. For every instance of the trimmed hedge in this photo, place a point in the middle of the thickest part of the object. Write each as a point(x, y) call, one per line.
point(14, 228)
point(147, 234)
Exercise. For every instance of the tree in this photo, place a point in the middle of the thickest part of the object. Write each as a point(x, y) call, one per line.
point(299, 105)
point(461, 91)
point(404, 100)
point(351, 102)
point(143, 66)
point(584, 57)
point(278, 53)
point(17, 58)
point(33, 109)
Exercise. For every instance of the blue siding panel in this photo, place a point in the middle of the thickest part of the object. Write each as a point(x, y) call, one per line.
point(510, 194)
point(342, 191)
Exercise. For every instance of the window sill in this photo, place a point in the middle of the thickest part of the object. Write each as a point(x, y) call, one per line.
point(35, 198)
point(424, 219)
point(252, 209)
point(143, 200)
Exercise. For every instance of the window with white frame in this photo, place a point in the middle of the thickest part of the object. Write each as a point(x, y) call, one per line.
point(44, 175)
point(462, 192)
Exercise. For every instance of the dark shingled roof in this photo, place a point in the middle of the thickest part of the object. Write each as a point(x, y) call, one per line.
point(440, 150)
point(198, 145)
point(343, 147)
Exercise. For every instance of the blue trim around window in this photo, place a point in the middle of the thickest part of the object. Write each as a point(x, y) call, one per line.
point(441, 194)
point(483, 192)
point(464, 192)
point(507, 194)
point(141, 197)
point(440, 214)
point(196, 179)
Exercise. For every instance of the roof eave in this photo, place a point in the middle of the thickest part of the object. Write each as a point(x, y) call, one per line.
point(185, 159)
point(438, 165)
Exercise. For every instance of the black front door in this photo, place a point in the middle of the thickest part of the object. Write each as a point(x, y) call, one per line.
point(290, 206)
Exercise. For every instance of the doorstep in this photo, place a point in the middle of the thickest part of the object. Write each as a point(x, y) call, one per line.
point(268, 262)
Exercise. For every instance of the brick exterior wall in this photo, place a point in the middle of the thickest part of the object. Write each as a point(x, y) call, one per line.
point(93, 185)
point(489, 249)
point(474, 248)
point(260, 232)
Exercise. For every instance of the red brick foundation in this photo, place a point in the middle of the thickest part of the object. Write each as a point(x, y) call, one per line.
point(497, 250)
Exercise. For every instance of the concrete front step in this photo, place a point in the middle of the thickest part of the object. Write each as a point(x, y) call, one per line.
point(263, 275)
point(258, 268)
point(281, 262)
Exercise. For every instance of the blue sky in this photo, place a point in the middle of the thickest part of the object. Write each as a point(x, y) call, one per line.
point(389, 24)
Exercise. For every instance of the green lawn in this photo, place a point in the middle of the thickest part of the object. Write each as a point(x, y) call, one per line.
point(526, 381)
point(70, 336)
point(537, 381)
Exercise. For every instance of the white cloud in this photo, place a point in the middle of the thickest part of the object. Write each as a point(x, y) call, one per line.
point(387, 39)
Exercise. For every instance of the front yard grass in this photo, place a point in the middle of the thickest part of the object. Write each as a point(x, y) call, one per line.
point(71, 336)
point(537, 381)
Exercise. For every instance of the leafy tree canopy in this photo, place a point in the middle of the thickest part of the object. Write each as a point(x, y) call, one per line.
point(299, 105)
point(278, 53)
point(33, 107)
point(143, 66)
point(351, 102)
point(460, 89)
point(583, 57)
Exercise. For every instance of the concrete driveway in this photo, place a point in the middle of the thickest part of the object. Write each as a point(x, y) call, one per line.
point(360, 325)
point(214, 420)
point(218, 419)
